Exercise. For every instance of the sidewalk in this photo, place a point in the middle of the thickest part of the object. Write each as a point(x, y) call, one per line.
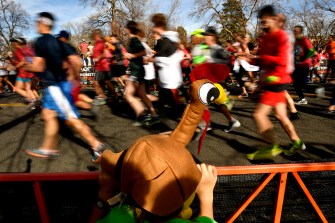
point(13, 110)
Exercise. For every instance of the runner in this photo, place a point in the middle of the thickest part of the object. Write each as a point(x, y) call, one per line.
point(22, 53)
point(330, 49)
point(102, 68)
point(81, 100)
point(150, 76)
point(57, 99)
point(303, 52)
point(275, 60)
point(119, 64)
point(294, 114)
point(135, 84)
point(211, 52)
point(167, 60)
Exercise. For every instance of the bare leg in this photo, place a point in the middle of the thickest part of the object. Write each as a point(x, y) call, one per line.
point(290, 103)
point(129, 95)
point(143, 95)
point(265, 126)
point(20, 89)
point(50, 130)
point(98, 89)
point(29, 92)
point(281, 115)
point(84, 131)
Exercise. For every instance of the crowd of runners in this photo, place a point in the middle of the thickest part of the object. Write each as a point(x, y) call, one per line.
point(145, 76)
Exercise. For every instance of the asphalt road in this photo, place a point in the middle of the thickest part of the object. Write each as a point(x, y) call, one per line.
point(114, 127)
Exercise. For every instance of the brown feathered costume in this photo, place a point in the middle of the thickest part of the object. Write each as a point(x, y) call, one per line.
point(157, 171)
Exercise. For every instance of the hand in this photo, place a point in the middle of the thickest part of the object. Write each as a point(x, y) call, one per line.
point(207, 182)
point(128, 56)
point(205, 189)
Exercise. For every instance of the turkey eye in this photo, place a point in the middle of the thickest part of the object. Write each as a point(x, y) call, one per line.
point(208, 93)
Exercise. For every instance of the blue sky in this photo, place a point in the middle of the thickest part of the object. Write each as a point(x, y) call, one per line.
point(71, 11)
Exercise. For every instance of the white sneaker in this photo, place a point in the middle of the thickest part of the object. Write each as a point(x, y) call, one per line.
point(301, 102)
point(233, 124)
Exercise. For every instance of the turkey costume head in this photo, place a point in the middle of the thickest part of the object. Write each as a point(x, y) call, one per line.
point(157, 172)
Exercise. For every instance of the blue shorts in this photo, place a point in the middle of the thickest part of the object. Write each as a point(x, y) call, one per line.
point(58, 98)
point(24, 80)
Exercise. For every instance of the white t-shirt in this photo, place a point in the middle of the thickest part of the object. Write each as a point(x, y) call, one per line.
point(149, 68)
point(3, 71)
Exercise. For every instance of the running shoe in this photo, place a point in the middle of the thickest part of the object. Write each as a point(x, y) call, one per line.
point(42, 153)
point(296, 146)
point(99, 101)
point(201, 127)
point(295, 116)
point(233, 124)
point(142, 120)
point(153, 120)
point(96, 157)
point(301, 102)
point(266, 153)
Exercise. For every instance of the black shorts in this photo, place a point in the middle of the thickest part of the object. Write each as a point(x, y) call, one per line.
point(331, 65)
point(102, 76)
point(118, 70)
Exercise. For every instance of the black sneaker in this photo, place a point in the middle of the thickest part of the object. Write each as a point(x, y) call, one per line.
point(153, 120)
point(142, 120)
point(295, 116)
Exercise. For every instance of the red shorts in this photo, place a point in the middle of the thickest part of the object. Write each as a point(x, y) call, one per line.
point(272, 98)
point(75, 91)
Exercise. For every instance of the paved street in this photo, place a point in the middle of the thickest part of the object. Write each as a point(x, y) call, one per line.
point(114, 127)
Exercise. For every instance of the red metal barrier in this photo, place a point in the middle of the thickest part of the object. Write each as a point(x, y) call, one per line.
point(282, 169)
point(272, 170)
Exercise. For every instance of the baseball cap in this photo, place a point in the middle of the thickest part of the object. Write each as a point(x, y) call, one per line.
point(15, 39)
point(63, 33)
point(211, 31)
point(198, 33)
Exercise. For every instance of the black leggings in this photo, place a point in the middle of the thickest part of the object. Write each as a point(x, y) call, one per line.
point(299, 80)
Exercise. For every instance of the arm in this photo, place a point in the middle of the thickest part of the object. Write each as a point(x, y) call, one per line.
point(75, 63)
point(205, 189)
point(130, 56)
point(38, 65)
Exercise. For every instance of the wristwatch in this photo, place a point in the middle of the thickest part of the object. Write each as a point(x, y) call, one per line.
point(100, 205)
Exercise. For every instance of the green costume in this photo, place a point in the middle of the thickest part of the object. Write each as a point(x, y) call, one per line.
point(125, 214)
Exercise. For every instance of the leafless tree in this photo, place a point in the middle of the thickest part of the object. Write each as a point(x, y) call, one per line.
point(213, 12)
point(13, 21)
point(316, 21)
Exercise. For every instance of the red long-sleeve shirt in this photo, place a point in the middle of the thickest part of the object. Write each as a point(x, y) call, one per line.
point(275, 52)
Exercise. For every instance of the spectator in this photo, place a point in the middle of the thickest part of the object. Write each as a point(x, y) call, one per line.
point(83, 47)
point(12, 71)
